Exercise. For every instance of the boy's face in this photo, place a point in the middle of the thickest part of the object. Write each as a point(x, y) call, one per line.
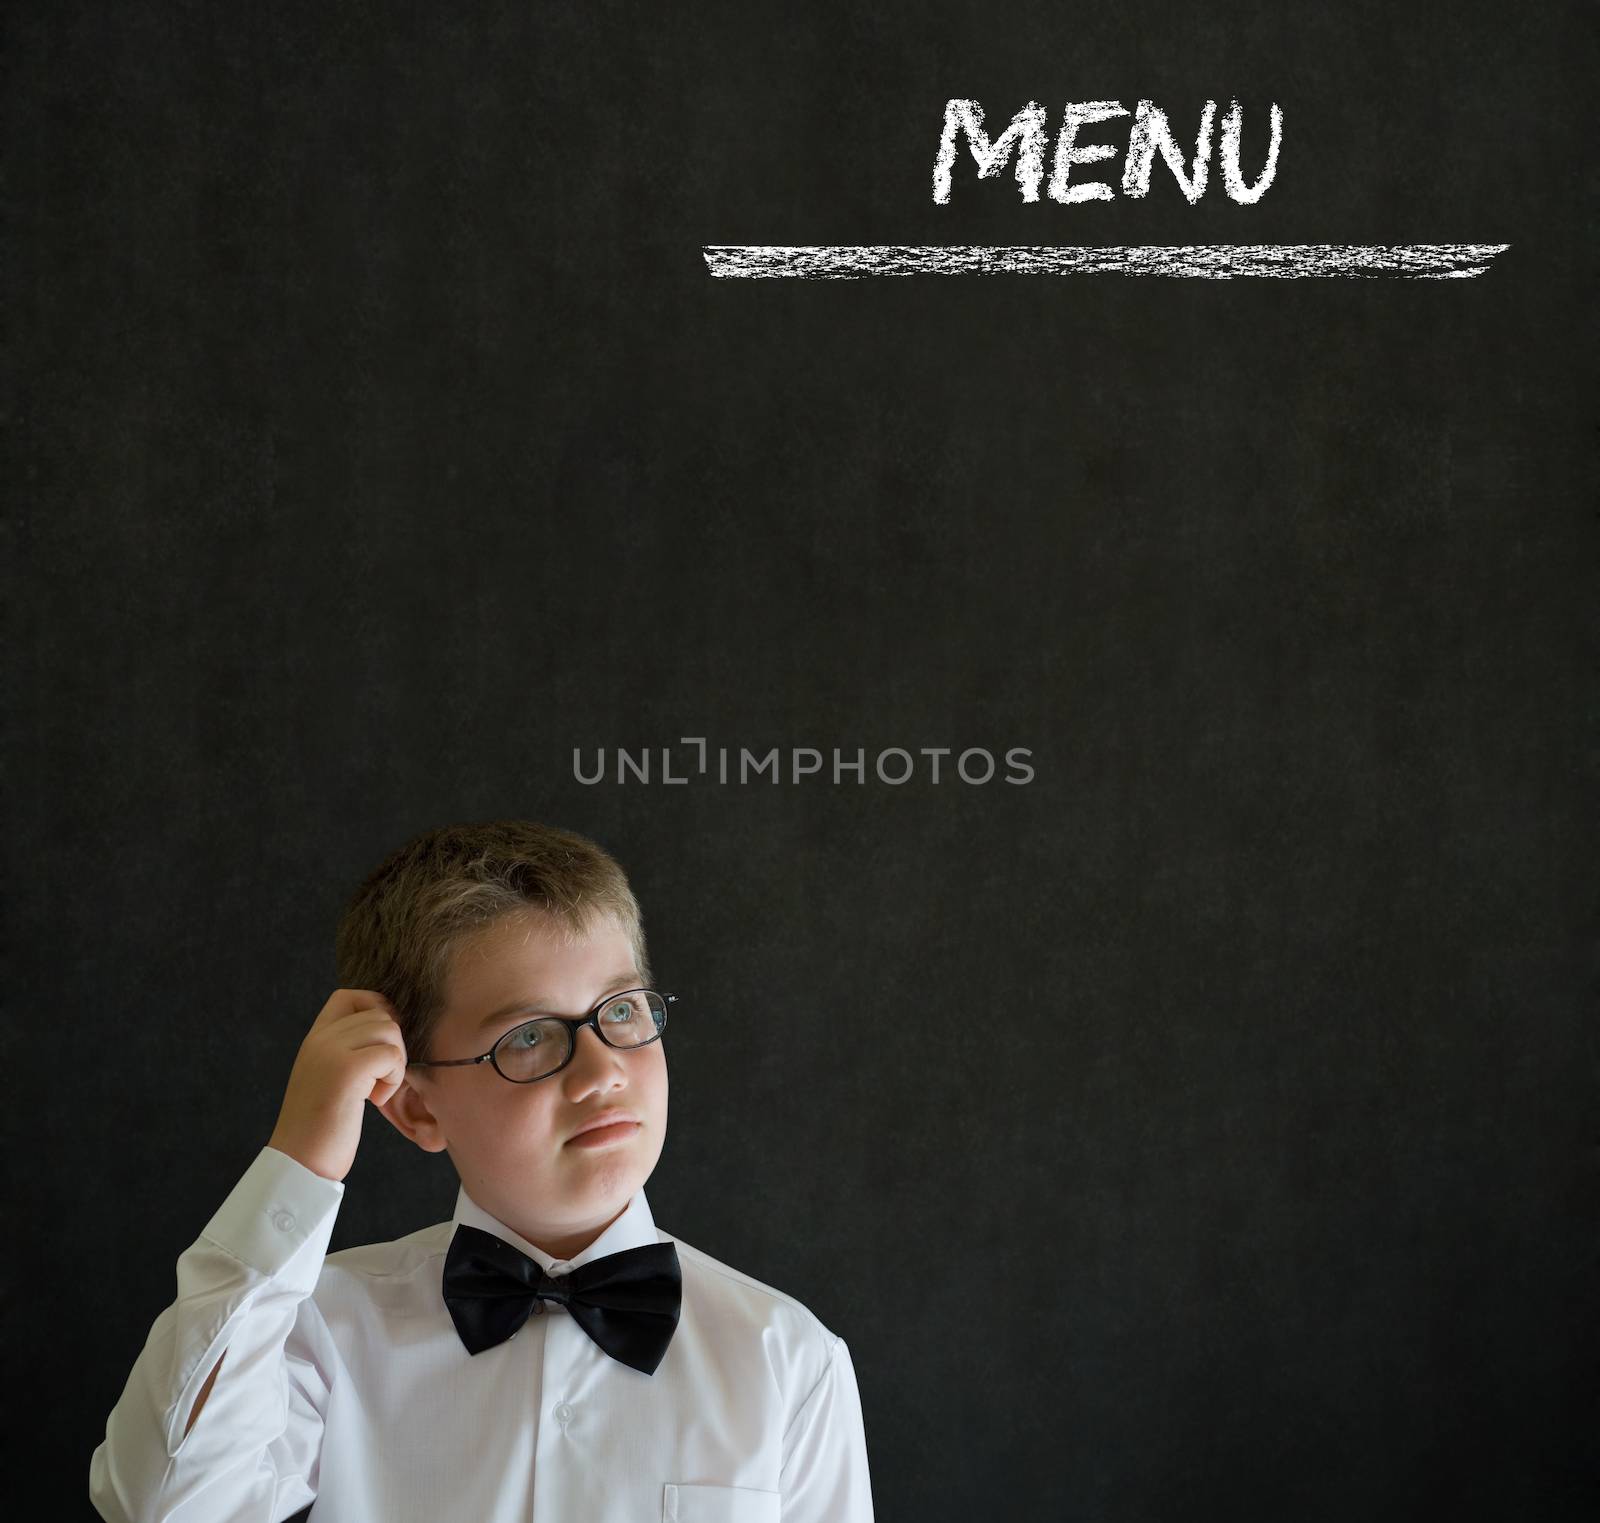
point(510, 1143)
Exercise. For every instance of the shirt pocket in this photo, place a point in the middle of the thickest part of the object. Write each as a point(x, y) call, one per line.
point(720, 1504)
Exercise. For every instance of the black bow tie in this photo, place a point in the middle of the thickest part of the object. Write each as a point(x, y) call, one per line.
point(627, 1302)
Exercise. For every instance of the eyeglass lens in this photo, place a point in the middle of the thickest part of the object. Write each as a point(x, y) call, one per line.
point(540, 1047)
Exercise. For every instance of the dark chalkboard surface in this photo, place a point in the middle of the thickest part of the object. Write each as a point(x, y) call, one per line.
point(1220, 1097)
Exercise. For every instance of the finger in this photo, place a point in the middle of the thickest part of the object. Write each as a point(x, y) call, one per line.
point(367, 1021)
point(384, 1090)
point(343, 1002)
point(382, 1049)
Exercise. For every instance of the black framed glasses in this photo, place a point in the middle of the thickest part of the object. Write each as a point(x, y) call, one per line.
point(543, 1046)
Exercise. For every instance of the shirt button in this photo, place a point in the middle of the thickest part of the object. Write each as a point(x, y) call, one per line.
point(283, 1220)
point(563, 1412)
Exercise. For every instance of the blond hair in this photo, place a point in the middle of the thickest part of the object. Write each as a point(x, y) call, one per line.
point(401, 929)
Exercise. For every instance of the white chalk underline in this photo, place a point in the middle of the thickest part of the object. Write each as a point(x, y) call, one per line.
point(1205, 261)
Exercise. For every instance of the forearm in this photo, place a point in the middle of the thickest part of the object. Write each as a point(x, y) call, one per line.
point(221, 1416)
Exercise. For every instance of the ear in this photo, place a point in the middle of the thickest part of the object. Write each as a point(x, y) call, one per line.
point(407, 1110)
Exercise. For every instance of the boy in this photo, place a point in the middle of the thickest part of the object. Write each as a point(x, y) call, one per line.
point(549, 1353)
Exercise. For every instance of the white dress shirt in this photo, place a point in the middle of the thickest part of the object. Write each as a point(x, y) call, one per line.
point(345, 1382)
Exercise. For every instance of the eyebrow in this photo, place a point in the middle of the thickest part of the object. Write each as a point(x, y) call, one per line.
point(628, 980)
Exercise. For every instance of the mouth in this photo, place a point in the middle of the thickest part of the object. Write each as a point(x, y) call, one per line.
point(604, 1136)
point(606, 1128)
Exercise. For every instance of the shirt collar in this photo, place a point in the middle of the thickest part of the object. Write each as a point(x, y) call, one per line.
point(633, 1229)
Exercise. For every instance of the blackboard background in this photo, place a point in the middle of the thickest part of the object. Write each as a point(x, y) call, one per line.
point(377, 436)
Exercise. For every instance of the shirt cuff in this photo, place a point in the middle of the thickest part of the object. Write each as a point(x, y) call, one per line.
point(279, 1214)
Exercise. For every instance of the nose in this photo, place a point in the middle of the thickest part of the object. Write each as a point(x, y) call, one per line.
point(594, 1065)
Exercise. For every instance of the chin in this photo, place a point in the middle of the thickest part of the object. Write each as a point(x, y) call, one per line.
point(619, 1176)
point(602, 1173)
